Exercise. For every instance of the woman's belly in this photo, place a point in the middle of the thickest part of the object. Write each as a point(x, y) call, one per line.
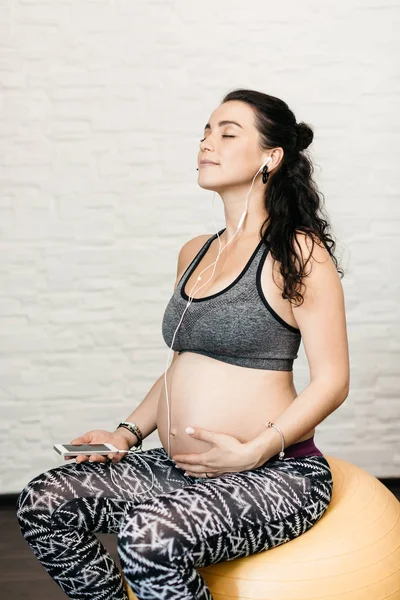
point(208, 393)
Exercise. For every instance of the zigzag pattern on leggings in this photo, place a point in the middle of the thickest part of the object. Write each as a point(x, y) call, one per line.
point(167, 533)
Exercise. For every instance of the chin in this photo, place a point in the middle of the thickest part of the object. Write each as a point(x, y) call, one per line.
point(213, 186)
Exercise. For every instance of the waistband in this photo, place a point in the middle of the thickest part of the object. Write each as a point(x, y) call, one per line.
point(305, 448)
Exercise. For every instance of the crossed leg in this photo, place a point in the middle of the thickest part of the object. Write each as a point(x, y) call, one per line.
point(60, 510)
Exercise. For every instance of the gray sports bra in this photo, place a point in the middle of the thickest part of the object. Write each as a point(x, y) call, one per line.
point(232, 325)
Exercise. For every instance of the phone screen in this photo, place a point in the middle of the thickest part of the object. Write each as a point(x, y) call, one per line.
point(90, 448)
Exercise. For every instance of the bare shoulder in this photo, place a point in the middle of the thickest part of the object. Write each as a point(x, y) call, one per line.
point(310, 248)
point(320, 273)
point(187, 253)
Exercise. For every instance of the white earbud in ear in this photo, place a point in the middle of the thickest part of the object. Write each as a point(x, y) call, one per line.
point(242, 218)
point(265, 163)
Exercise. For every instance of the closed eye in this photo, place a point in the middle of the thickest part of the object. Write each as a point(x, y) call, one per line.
point(229, 136)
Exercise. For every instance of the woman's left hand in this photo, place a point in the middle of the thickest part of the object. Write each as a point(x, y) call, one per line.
point(227, 454)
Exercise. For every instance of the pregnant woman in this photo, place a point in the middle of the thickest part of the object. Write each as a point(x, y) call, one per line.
point(248, 475)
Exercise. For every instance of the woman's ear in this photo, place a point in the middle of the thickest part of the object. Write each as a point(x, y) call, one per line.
point(277, 156)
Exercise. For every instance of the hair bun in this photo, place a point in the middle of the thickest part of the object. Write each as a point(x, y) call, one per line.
point(305, 136)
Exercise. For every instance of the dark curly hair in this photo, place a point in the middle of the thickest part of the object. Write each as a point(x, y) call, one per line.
point(291, 197)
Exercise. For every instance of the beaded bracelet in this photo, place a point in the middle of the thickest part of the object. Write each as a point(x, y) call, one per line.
point(271, 424)
point(133, 428)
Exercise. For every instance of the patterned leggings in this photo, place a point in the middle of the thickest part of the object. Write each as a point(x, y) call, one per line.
point(165, 534)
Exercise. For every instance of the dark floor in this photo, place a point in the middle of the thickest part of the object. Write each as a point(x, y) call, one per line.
point(21, 574)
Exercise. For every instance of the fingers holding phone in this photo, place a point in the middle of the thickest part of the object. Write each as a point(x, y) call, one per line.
point(78, 450)
point(99, 452)
point(92, 437)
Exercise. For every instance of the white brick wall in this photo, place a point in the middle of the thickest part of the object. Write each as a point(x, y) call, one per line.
point(102, 105)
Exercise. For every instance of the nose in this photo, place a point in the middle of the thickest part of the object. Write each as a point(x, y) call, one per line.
point(205, 144)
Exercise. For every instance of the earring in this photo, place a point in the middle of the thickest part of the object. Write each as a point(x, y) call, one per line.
point(265, 174)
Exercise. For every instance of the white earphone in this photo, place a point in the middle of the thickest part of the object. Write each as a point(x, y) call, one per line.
point(141, 458)
point(242, 218)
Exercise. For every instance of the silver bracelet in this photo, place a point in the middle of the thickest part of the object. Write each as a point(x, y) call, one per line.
point(271, 424)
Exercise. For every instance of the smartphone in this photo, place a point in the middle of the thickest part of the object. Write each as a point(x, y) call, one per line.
point(86, 449)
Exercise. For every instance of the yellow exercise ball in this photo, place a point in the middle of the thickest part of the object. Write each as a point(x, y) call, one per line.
point(351, 553)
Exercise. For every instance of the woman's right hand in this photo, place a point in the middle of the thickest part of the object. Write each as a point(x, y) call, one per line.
point(121, 439)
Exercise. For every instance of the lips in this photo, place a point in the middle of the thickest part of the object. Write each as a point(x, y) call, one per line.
point(208, 162)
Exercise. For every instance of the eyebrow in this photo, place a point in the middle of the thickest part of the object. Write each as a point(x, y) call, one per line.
point(208, 126)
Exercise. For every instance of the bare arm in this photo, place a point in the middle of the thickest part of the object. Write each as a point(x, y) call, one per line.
point(322, 322)
point(145, 415)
